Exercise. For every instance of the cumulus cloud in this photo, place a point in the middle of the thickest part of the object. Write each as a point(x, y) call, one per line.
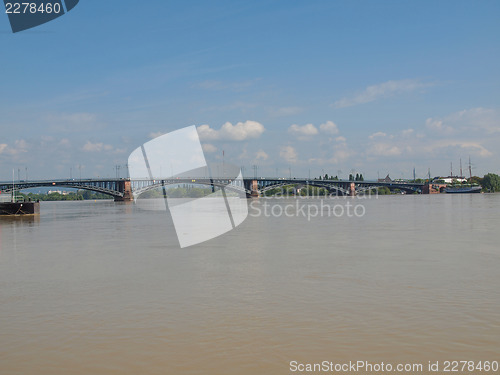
point(71, 122)
point(303, 131)
point(472, 147)
point(339, 153)
point(153, 135)
point(307, 131)
point(261, 155)
point(208, 148)
point(64, 142)
point(329, 127)
point(438, 126)
point(407, 132)
point(96, 147)
point(409, 143)
point(239, 132)
point(483, 119)
point(377, 135)
point(384, 149)
point(382, 90)
point(20, 146)
point(288, 154)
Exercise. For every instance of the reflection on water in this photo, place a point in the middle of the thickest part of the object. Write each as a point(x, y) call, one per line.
point(103, 288)
point(19, 220)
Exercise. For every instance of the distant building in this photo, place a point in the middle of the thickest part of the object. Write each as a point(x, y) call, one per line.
point(450, 179)
point(386, 179)
point(433, 188)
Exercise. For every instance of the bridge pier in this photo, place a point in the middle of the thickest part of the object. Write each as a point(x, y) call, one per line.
point(126, 187)
point(352, 189)
point(254, 188)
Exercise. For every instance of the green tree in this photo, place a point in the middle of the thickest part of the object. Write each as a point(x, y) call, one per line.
point(491, 182)
point(476, 180)
point(383, 190)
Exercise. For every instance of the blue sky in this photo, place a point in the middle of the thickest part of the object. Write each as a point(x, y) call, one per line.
point(370, 87)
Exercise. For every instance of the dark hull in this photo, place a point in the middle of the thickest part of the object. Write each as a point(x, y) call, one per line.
point(21, 208)
point(463, 190)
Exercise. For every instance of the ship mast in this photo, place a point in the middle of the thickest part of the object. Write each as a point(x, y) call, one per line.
point(461, 174)
point(470, 168)
point(13, 186)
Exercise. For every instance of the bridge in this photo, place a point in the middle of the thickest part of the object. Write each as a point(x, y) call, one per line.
point(124, 189)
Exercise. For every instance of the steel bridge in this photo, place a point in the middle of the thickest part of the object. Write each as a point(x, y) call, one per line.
point(116, 188)
point(124, 189)
point(334, 187)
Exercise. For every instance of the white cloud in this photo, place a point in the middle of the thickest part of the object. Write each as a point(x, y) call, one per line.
point(306, 131)
point(239, 132)
point(261, 155)
point(209, 148)
point(341, 152)
point(20, 147)
point(468, 139)
point(382, 90)
point(472, 147)
point(96, 147)
point(341, 155)
point(64, 142)
point(329, 127)
point(484, 119)
point(378, 135)
point(303, 131)
point(71, 122)
point(407, 132)
point(153, 135)
point(289, 154)
point(384, 149)
point(438, 126)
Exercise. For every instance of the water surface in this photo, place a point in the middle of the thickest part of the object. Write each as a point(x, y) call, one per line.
point(103, 288)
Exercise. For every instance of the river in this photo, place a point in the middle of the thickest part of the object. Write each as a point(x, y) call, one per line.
point(103, 288)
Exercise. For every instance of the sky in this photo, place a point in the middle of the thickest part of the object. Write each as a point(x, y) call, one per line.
point(293, 87)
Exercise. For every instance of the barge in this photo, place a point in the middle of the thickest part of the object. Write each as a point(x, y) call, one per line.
point(19, 208)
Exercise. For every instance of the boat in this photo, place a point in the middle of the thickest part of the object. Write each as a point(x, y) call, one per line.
point(19, 208)
point(462, 189)
point(12, 206)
